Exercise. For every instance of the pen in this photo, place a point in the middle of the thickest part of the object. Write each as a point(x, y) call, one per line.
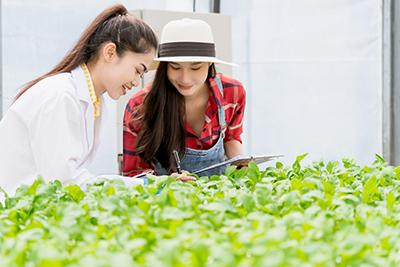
point(177, 161)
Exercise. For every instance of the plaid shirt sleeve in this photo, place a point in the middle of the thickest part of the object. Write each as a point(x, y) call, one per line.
point(132, 164)
point(234, 105)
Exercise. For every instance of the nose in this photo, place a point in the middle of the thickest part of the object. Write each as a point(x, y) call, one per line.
point(184, 77)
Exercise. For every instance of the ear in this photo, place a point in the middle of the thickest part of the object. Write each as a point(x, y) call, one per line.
point(109, 51)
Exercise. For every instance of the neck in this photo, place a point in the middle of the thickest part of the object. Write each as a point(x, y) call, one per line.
point(94, 75)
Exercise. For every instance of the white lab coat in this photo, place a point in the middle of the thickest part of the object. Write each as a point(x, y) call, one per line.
point(49, 132)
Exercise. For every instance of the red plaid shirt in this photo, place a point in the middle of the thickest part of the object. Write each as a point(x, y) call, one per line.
point(233, 101)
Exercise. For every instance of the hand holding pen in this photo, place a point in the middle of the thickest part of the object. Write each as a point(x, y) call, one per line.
point(183, 176)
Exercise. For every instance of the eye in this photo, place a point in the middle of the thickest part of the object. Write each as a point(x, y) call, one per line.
point(197, 68)
point(174, 67)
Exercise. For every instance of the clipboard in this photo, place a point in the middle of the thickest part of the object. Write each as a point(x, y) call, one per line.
point(240, 161)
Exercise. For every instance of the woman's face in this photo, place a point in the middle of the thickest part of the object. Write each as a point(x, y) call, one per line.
point(123, 73)
point(188, 77)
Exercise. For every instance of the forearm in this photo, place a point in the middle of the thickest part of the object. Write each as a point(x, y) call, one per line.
point(233, 148)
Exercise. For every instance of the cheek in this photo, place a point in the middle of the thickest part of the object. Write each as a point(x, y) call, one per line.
point(120, 78)
point(201, 78)
point(172, 76)
point(114, 80)
point(111, 73)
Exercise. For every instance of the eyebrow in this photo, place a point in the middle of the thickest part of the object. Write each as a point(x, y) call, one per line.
point(144, 67)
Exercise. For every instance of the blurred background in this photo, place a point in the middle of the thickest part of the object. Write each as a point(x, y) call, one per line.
point(320, 75)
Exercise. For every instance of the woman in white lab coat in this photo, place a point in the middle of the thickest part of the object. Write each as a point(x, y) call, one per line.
point(52, 128)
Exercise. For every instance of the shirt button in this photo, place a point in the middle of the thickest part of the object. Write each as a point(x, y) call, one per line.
point(199, 146)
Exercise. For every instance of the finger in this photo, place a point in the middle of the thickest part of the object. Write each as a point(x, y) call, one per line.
point(187, 178)
point(175, 175)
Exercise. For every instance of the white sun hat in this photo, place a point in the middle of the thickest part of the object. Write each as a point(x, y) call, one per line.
point(188, 40)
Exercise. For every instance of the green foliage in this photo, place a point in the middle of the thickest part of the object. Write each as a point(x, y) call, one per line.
point(324, 214)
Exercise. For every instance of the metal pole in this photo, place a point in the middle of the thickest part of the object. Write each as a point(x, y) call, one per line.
point(395, 92)
point(387, 105)
point(215, 6)
point(1, 60)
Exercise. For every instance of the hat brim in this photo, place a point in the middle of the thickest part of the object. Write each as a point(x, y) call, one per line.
point(189, 59)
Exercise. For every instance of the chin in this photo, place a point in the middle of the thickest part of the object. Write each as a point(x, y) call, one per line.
point(186, 92)
point(114, 96)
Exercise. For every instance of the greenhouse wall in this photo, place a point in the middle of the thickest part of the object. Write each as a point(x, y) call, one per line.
point(312, 68)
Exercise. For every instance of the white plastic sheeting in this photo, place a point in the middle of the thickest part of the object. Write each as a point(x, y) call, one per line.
point(312, 69)
point(313, 74)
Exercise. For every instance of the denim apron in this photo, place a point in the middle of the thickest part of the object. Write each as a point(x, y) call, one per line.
point(198, 159)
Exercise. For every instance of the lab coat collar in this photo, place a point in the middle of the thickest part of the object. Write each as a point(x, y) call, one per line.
point(82, 92)
point(81, 85)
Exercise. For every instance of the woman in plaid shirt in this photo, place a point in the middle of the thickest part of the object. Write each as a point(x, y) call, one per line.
point(188, 107)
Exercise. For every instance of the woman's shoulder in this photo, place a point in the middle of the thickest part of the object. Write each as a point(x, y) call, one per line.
point(55, 86)
point(48, 95)
point(138, 97)
point(133, 110)
point(134, 105)
point(229, 82)
point(233, 89)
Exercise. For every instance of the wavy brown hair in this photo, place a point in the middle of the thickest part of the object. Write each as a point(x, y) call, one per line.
point(115, 25)
point(162, 121)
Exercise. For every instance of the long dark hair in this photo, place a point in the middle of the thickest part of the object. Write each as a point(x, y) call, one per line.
point(115, 25)
point(162, 121)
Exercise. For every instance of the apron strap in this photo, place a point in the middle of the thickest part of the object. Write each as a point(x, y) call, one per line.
point(219, 84)
point(221, 112)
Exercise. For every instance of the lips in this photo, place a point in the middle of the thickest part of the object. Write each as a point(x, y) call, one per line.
point(125, 89)
point(185, 87)
point(127, 86)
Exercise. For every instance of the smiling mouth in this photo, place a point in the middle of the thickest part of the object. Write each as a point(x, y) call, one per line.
point(185, 87)
point(127, 86)
point(125, 89)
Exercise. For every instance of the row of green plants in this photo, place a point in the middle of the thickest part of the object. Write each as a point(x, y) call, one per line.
point(322, 214)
